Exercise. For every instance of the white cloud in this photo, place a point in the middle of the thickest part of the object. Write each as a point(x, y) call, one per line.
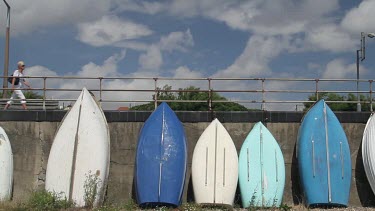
point(40, 71)
point(310, 21)
point(139, 6)
point(314, 66)
point(29, 16)
point(108, 69)
point(177, 41)
point(339, 69)
point(330, 37)
point(134, 45)
point(253, 62)
point(266, 17)
point(185, 72)
point(174, 41)
point(109, 30)
point(152, 59)
point(361, 18)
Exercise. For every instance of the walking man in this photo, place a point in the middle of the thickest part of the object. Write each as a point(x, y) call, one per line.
point(16, 87)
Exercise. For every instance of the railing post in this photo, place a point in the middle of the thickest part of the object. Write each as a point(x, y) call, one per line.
point(209, 95)
point(156, 94)
point(100, 90)
point(6, 53)
point(316, 89)
point(371, 95)
point(44, 93)
point(263, 101)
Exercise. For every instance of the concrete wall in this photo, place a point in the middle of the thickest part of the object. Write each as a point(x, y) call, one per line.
point(31, 143)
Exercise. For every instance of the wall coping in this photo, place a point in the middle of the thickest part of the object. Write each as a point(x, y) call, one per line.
point(184, 116)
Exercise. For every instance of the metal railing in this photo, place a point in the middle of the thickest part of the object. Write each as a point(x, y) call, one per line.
point(260, 91)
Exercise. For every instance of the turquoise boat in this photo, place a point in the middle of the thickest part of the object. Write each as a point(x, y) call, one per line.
point(261, 169)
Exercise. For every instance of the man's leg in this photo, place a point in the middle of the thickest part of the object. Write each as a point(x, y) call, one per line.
point(22, 97)
point(24, 106)
point(6, 106)
point(10, 101)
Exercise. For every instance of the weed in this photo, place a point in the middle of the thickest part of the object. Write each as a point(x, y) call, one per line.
point(12, 205)
point(45, 200)
point(130, 205)
point(275, 200)
point(107, 208)
point(91, 188)
point(284, 207)
point(253, 203)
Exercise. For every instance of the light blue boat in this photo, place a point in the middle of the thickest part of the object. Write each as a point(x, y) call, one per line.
point(261, 169)
point(324, 161)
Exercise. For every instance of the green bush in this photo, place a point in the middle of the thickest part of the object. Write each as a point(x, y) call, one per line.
point(45, 200)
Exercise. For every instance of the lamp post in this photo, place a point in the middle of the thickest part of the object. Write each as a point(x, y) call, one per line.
point(362, 57)
point(6, 54)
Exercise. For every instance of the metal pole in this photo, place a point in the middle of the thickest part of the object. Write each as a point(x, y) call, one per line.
point(371, 95)
point(358, 99)
point(316, 89)
point(263, 104)
point(6, 54)
point(363, 46)
point(209, 95)
point(156, 94)
point(100, 88)
point(44, 93)
point(363, 56)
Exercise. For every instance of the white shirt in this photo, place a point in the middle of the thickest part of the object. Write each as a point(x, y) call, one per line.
point(17, 73)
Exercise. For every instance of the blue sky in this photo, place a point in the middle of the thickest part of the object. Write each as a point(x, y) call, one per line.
point(195, 38)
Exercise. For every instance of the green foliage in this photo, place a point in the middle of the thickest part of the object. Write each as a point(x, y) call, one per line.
point(44, 200)
point(340, 106)
point(253, 202)
point(127, 206)
point(285, 207)
point(130, 205)
point(28, 95)
point(190, 93)
point(91, 188)
point(32, 95)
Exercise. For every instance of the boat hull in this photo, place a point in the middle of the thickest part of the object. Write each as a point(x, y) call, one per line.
point(324, 161)
point(368, 155)
point(79, 156)
point(215, 166)
point(161, 159)
point(261, 169)
point(6, 167)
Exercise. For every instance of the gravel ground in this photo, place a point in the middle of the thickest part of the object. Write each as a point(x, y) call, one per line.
point(317, 209)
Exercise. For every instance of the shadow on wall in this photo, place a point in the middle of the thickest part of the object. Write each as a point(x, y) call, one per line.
point(365, 194)
point(296, 188)
point(190, 191)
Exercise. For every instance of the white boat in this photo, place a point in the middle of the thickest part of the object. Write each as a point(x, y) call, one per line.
point(6, 167)
point(215, 166)
point(368, 155)
point(79, 158)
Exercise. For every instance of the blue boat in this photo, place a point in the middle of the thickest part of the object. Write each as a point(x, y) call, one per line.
point(161, 160)
point(323, 158)
point(261, 169)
